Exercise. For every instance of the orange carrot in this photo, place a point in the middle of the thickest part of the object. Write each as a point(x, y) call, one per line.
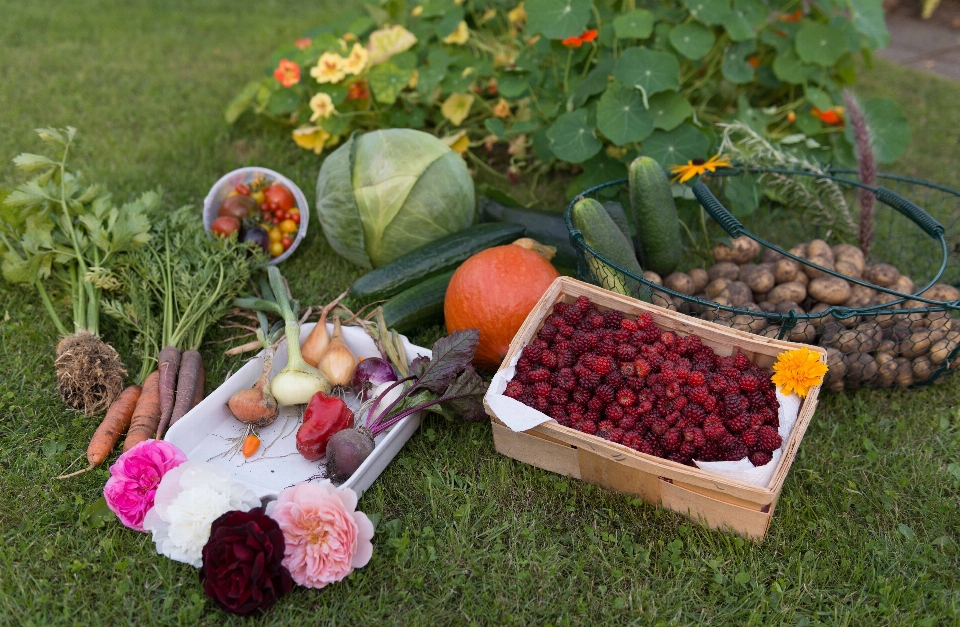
point(146, 416)
point(115, 424)
point(250, 445)
point(191, 365)
point(168, 363)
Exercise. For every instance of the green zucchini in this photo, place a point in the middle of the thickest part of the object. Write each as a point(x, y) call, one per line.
point(654, 216)
point(418, 305)
point(432, 259)
point(602, 234)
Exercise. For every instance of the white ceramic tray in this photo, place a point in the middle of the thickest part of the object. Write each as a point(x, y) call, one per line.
point(206, 431)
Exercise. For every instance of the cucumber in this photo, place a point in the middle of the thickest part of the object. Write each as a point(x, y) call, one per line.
point(547, 227)
point(434, 258)
point(418, 305)
point(654, 216)
point(602, 234)
point(619, 216)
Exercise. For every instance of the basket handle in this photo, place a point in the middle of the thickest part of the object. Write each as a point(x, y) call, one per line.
point(922, 219)
point(717, 211)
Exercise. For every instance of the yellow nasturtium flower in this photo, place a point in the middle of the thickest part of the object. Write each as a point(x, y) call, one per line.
point(459, 36)
point(311, 138)
point(488, 15)
point(356, 61)
point(501, 109)
point(517, 15)
point(322, 107)
point(329, 68)
point(459, 142)
point(456, 108)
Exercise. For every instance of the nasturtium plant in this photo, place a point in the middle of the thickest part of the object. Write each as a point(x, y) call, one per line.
point(543, 84)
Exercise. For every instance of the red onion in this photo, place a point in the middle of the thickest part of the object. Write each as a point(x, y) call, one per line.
point(372, 372)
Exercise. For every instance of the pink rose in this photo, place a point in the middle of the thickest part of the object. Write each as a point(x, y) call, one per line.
point(134, 478)
point(325, 537)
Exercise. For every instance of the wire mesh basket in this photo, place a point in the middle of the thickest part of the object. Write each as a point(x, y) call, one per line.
point(892, 318)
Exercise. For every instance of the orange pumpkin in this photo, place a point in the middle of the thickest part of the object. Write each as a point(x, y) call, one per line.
point(494, 291)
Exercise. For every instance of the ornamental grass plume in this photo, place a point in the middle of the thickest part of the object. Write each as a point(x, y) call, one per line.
point(866, 165)
point(797, 371)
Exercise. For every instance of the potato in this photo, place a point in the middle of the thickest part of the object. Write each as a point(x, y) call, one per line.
point(881, 298)
point(836, 368)
point(803, 332)
point(898, 333)
point(904, 285)
point(724, 270)
point(759, 296)
point(923, 369)
point(758, 278)
point(653, 277)
point(904, 372)
point(941, 350)
point(744, 250)
point(750, 307)
point(831, 334)
point(848, 253)
point(802, 278)
point(887, 346)
point(792, 290)
point(661, 299)
point(882, 274)
point(772, 331)
point(737, 292)
point(700, 279)
point(744, 322)
point(819, 248)
point(830, 290)
point(847, 268)
point(859, 339)
point(861, 368)
point(680, 282)
point(939, 292)
point(786, 270)
point(800, 250)
point(787, 306)
point(716, 286)
point(819, 260)
point(917, 344)
point(770, 255)
point(886, 370)
point(766, 305)
point(859, 296)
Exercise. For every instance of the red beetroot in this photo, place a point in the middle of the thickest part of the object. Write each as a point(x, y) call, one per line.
point(325, 416)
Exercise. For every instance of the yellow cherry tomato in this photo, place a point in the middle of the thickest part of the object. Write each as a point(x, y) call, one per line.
point(293, 210)
point(288, 226)
point(276, 249)
point(275, 234)
point(258, 196)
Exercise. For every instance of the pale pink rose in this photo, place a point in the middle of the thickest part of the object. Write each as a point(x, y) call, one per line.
point(134, 478)
point(326, 538)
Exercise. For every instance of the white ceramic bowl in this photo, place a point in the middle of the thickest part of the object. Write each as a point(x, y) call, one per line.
point(218, 193)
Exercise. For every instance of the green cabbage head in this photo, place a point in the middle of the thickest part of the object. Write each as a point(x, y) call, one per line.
point(384, 193)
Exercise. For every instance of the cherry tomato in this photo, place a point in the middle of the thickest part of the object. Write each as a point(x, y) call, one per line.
point(280, 196)
point(281, 215)
point(287, 242)
point(295, 217)
point(276, 249)
point(242, 189)
point(288, 226)
point(225, 226)
point(275, 235)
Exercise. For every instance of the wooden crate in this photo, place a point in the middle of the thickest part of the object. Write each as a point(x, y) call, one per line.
point(713, 500)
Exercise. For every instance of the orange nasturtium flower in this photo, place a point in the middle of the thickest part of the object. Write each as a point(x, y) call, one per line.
point(695, 167)
point(796, 371)
point(287, 72)
point(303, 43)
point(753, 61)
point(358, 91)
point(792, 17)
point(576, 42)
point(791, 117)
point(831, 117)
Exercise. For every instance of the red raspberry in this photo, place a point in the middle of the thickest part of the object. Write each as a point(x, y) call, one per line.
point(741, 361)
point(596, 321)
point(671, 440)
point(573, 315)
point(588, 427)
point(729, 374)
point(559, 308)
point(627, 369)
point(750, 437)
point(548, 332)
point(770, 440)
point(629, 325)
point(698, 395)
point(515, 389)
point(541, 389)
point(625, 352)
point(735, 452)
point(736, 424)
point(606, 393)
point(760, 458)
point(641, 367)
point(710, 404)
point(540, 403)
point(581, 343)
point(595, 404)
point(709, 452)
point(565, 379)
point(714, 431)
point(607, 347)
point(573, 407)
point(633, 411)
point(696, 379)
point(659, 426)
point(532, 352)
point(627, 423)
point(614, 412)
point(604, 425)
point(667, 338)
point(589, 380)
point(541, 343)
point(647, 447)
point(756, 420)
point(548, 360)
point(602, 365)
point(524, 363)
point(631, 439)
point(673, 390)
point(644, 321)
point(734, 405)
point(558, 396)
point(620, 337)
point(565, 330)
point(613, 318)
point(538, 375)
point(749, 383)
point(695, 435)
point(615, 435)
point(583, 304)
point(687, 449)
point(626, 397)
point(680, 402)
point(580, 396)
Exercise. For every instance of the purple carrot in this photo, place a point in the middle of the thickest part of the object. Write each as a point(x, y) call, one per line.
point(191, 365)
point(168, 365)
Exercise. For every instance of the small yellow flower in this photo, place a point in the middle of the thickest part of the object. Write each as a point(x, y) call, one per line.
point(517, 14)
point(501, 109)
point(696, 167)
point(417, 11)
point(356, 61)
point(504, 58)
point(798, 370)
point(459, 36)
point(456, 108)
point(322, 107)
point(488, 15)
point(414, 79)
point(311, 138)
point(458, 142)
point(329, 68)
point(386, 42)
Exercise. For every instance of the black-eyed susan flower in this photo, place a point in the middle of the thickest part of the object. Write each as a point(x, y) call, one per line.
point(696, 167)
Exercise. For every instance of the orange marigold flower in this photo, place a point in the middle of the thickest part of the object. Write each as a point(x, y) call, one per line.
point(797, 371)
point(358, 91)
point(754, 61)
point(831, 117)
point(287, 72)
point(303, 43)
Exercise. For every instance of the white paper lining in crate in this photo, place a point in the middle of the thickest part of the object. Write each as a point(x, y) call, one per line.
point(520, 417)
point(204, 432)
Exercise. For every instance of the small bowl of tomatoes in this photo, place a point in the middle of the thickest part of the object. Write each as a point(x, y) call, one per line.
point(261, 206)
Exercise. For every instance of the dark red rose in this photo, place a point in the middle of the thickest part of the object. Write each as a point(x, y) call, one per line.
point(242, 570)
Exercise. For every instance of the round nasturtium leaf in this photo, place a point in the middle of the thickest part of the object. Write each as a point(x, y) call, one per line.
point(650, 70)
point(676, 147)
point(387, 81)
point(789, 68)
point(817, 97)
point(557, 19)
point(669, 109)
point(820, 44)
point(692, 40)
point(622, 116)
point(572, 139)
point(636, 24)
point(709, 11)
point(868, 19)
point(735, 67)
point(744, 20)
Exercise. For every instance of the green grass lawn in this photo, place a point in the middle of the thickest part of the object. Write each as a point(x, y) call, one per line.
point(865, 532)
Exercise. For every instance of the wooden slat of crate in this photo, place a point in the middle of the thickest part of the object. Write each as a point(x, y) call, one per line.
point(717, 501)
